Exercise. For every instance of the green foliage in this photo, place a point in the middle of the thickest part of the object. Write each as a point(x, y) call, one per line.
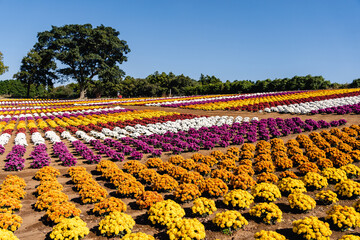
point(82, 53)
point(355, 83)
point(3, 68)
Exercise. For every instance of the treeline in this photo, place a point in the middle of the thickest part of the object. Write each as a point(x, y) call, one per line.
point(162, 84)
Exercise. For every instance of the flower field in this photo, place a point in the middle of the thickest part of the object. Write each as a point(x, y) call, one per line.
point(260, 166)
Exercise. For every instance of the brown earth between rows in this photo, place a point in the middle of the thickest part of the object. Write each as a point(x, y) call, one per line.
point(34, 228)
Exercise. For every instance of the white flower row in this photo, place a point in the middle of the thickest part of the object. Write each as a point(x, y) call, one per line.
point(178, 125)
point(52, 136)
point(205, 99)
point(4, 138)
point(84, 136)
point(67, 135)
point(304, 108)
point(20, 139)
point(37, 139)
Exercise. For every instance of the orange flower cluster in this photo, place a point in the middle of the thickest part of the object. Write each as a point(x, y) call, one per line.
point(90, 190)
point(147, 199)
point(267, 178)
point(164, 183)
point(58, 211)
point(153, 162)
point(133, 167)
point(11, 191)
point(176, 159)
point(186, 192)
point(109, 205)
point(188, 164)
point(130, 188)
point(47, 171)
point(242, 181)
point(214, 187)
point(177, 172)
point(192, 177)
point(10, 221)
point(248, 147)
point(223, 174)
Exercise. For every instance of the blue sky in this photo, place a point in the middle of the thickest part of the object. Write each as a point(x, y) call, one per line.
point(233, 39)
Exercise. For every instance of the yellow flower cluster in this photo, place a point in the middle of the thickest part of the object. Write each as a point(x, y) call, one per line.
point(351, 170)
point(185, 229)
point(266, 192)
point(214, 187)
point(165, 213)
point(137, 236)
point(301, 202)
point(109, 205)
point(314, 181)
point(238, 198)
point(268, 213)
point(203, 206)
point(186, 192)
point(349, 237)
point(334, 175)
point(343, 217)
point(7, 235)
point(269, 235)
point(289, 185)
point(326, 197)
point(242, 181)
point(69, 228)
point(58, 211)
point(116, 224)
point(47, 171)
point(311, 228)
point(148, 198)
point(9, 221)
point(229, 221)
point(164, 183)
point(348, 188)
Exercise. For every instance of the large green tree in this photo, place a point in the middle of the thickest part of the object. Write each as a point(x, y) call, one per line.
point(37, 68)
point(3, 68)
point(83, 53)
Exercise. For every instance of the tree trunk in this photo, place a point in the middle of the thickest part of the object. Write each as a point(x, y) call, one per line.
point(82, 93)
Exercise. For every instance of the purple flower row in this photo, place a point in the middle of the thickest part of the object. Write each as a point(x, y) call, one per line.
point(340, 110)
point(40, 156)
point(2, 149)
point(61, 151)
point(85, 152)
point(14, 159)
point(102, 148)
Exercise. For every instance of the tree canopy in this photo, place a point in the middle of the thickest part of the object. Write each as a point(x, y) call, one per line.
point(3, 68)
point(76, 52)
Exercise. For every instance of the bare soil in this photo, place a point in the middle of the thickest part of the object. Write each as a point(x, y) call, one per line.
point(35, 227)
